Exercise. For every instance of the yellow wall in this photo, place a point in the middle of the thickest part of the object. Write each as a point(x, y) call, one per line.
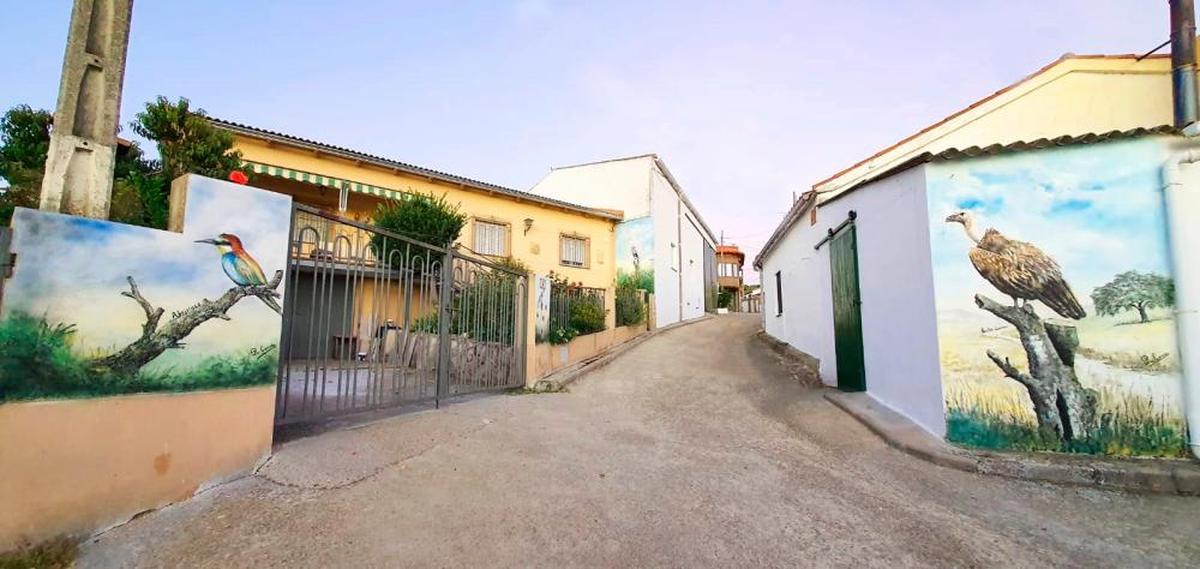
point(539, 249)
point(1074, 96)
point(76, 466)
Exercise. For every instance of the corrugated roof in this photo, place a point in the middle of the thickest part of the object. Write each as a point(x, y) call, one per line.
point(810, 197)
point(343, 152)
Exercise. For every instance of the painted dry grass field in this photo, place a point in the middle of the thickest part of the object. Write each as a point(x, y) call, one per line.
point(1130, 365)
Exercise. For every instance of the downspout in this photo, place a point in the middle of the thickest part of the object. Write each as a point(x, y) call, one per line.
point(1183, 62)
point(1183, 208)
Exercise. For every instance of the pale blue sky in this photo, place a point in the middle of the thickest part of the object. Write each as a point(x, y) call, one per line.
point(746, 103)
point(1071, 202)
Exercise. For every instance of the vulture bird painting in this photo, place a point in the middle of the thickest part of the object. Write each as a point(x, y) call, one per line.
point(1019, 269)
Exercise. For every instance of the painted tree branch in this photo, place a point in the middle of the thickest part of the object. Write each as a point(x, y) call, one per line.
point(155, 339)
point(1061, 403)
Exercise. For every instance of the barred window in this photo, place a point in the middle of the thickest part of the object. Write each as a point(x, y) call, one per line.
point(491, 238)
point(574, 251)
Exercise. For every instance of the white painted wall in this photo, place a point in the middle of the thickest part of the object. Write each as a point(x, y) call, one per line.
point(692, 264)
point(638, 187)
point(619, 184)
point(896, 280)
point(664, 206)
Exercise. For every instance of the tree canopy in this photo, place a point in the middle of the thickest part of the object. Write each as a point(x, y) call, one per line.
point(1133, 290)
point(24, 142)
point(186, 143)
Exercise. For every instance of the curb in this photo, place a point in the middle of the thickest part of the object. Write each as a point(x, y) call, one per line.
point(560, 379)
point(1153, 476)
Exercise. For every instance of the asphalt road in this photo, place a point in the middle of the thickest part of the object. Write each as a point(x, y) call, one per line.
point(697, 448)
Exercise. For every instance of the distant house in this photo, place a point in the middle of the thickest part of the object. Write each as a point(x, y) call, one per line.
point(917, 274)
point(730, 260)
point(663, 244)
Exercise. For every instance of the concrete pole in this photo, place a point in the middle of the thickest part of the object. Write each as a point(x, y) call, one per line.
point(79, 165)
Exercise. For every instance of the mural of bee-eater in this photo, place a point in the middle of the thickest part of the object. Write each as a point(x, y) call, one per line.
point(239, 266)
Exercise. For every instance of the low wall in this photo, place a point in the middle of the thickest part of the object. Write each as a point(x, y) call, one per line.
point(76, 466)
point(549, 358)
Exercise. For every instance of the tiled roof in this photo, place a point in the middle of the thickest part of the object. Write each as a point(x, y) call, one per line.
point(343, 152)
point(1018, 146)
point(810, 198)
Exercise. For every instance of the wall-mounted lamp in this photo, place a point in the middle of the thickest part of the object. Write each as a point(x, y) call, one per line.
point(528, 225)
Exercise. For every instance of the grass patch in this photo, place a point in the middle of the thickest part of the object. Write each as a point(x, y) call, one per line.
point(1115, 435)
point(54, 554)
point(37, 362)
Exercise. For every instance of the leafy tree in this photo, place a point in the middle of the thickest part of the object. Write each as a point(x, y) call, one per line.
point(724, 299)
point(187, 142)
point(24, 142)
point(1132, 290)
point(423, 217)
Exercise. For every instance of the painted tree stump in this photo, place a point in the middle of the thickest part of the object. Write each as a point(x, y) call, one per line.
point(1062, 405)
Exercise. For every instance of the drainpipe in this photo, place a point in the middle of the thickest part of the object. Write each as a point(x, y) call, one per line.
point(1183, 208)
point(1183, 61)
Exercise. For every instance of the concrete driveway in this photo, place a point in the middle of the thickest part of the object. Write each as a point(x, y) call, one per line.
point(696, 448)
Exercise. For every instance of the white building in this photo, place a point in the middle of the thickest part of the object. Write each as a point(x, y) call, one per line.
point(919, 285)
point(663, 245)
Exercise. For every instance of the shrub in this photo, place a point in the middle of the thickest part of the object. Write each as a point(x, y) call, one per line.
point(630, 308)
point(587, 315)
point(724, 299)
point(423, 217)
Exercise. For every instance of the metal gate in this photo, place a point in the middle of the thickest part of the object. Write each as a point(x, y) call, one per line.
point(373, 319)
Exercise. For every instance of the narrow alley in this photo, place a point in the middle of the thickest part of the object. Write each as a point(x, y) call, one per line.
point(699, 447)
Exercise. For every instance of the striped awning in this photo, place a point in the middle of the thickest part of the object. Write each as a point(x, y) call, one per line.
point(322, 180)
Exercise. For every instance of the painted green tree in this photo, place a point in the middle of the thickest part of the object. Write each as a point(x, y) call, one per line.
point(1133, 290)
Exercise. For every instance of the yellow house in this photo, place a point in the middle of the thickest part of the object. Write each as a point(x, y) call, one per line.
point(547, 235)
point(1073, 96)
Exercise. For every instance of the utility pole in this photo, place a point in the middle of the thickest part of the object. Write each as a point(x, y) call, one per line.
point(83, 149)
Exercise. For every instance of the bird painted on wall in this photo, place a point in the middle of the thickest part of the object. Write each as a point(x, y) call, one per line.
point(239, 266)
point(1019, 269)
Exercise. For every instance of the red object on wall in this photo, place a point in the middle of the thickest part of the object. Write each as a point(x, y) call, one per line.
point(238, 177)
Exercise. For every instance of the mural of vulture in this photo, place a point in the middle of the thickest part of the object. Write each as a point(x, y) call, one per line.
point(1019, 269)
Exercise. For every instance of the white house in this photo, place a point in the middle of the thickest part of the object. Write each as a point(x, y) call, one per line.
point(993, 295)
point(663, 245)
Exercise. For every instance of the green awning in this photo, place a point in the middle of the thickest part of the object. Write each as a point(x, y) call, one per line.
point(320, 180)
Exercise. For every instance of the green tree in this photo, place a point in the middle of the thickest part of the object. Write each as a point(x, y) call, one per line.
point(724, 299)
point(187, 142)
point(24, 142)
point(423, 217)
point(1132, 290)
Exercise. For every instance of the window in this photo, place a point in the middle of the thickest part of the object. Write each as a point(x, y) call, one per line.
point(778, 293)
point(491, 238)
point(573, 251)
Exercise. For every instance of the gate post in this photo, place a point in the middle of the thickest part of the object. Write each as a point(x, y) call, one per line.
point(445, 294)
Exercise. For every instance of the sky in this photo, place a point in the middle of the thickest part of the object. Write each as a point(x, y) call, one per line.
point(1070, 202)
point(747, 102)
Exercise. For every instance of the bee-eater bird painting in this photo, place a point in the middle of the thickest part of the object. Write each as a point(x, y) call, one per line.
point(239, 266)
